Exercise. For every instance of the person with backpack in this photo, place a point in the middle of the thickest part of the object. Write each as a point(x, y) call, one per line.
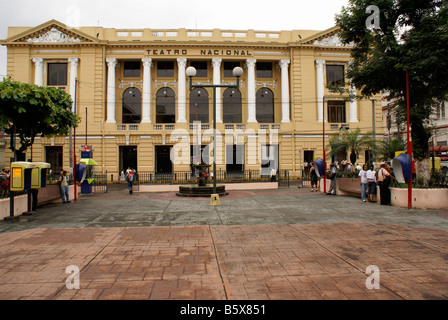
point(63, 183)
point(130, 177)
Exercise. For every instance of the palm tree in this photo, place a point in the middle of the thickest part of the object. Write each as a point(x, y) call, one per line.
point(386, 149)
point(352, 141)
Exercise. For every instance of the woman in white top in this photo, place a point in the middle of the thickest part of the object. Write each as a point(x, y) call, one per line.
point(363, 175)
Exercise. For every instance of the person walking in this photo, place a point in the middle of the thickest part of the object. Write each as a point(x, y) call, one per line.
point(63, 179)
point(313, 177)
point(371, 181)
point(384, 178)
point(130, 177)
point(332, 177)
point(363, 175)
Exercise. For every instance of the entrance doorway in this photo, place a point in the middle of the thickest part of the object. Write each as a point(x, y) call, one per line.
point(163, 159)
point(53, 155)
point(234, 159)
point(128, 158)
point(269, 159)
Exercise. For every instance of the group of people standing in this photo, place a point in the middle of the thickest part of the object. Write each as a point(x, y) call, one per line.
point(368, 181)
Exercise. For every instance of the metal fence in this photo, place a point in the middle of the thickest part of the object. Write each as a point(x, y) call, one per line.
point(99, 185)
point(283, 179)
point(185, 177)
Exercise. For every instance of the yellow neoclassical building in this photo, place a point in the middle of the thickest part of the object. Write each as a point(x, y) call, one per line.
point(137, 109)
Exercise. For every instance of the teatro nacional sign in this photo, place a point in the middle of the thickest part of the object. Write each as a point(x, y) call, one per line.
point(201, 52)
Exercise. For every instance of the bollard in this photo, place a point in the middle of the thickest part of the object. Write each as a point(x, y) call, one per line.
point(214, 200)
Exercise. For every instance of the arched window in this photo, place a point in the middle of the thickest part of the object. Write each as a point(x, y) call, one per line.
point(265, 106)
point(132, 106)
point(165, 106)
point(199, 110)
point(232, 108)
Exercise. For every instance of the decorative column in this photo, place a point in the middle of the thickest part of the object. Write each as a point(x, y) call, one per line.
point(320, 64)
point(285, 90)
point(181, 91)
point(353, 105)
point(73, 63)
point(111, 64)
point(146, 99)
point(251, 108)
point(216, 62)
point(354, 102)
point(38, 71)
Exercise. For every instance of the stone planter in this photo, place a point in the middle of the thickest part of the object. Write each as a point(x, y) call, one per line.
point(434, 199)
point(348, 187)
point(20, 205)
point(49, 194)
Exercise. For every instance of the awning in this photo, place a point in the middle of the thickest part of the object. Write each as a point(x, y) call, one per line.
point(89, 162)
point(438, 149)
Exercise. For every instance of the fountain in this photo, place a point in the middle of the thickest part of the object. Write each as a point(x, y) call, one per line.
point(202, 188)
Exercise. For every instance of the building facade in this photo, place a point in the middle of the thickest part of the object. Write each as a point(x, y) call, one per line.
point(438, 124)
point(131, 91)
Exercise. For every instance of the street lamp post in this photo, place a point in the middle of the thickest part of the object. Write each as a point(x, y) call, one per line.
point(237, 72)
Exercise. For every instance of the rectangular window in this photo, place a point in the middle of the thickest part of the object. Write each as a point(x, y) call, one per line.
point(336, 111)
point(132, 69)
point(264, 69)
point(165, 69)
point(201, 68)
point(228, 68)
point(57, 74)
point(335, 74)
point(440, 110)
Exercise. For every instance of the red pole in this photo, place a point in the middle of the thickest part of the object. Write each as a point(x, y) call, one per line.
point(409, 142)
point(74, 178)
point(323, 144)
point(74, 146)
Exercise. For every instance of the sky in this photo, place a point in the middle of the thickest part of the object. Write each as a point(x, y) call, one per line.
point(262, 15)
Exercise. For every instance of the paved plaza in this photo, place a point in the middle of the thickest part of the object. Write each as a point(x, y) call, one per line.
point(284, 244)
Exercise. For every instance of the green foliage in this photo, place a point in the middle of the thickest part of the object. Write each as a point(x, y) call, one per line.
point(29, 110)
point(352, 141)
point(347, 174)
point(382, 57)
point(386, 149)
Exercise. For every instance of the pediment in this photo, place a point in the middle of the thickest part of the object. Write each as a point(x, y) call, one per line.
point(52, 32)
point(327, 38)
point(53, 36)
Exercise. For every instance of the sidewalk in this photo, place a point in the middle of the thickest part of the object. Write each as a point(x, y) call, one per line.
point(272, 244)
